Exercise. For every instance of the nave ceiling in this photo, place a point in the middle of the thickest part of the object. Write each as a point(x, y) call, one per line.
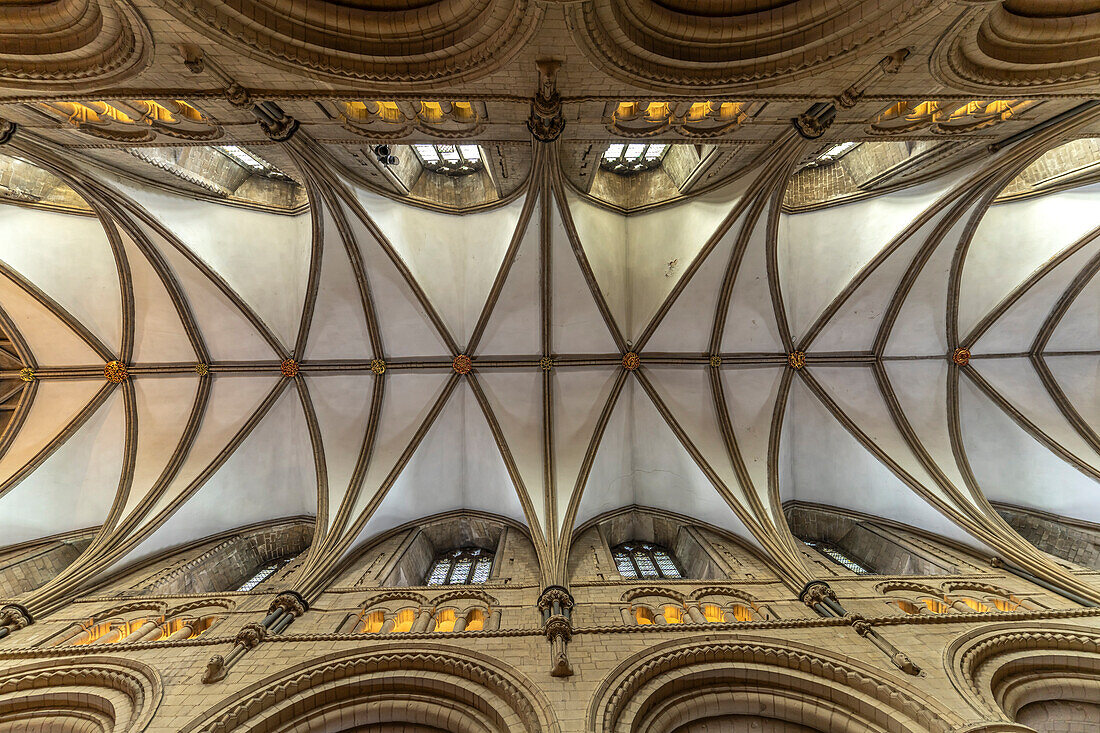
point(318, 334)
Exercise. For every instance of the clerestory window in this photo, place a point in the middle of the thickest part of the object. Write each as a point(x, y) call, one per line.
point(263, 574)
point(840, 557)
point(626, 158)
point(644, 560)
point(465, 566)
point(453, 160)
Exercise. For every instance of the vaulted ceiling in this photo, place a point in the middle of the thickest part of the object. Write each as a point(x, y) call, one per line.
point(201, 350)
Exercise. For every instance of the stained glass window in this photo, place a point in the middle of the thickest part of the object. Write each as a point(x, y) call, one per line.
point(626, 158)
point(644, 560)
point(468, 565)
point(454, 160)
point(840, 557)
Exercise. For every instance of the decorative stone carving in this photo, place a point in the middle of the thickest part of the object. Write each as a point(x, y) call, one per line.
point(813, 123)
point(546, 121)
point(135, 120)
point(556, 605)
point(281, 129)
point(72, 44)
point(238, 96)
point(215, 669)
point(715, 361)
point(961, 356)
point(115, 372)
point(392, 120)
point(7, 130)
point(202, 369)
point(251, 635)
point(290, 602)
point(289, 368)
point(15, 617)
point(796, 360)
point(27, 374)
point(462, 364)
point(631, 361)
point(378, 366)
point(816, 592)
point(950, 117)
point(691, 120)
point(546, 363)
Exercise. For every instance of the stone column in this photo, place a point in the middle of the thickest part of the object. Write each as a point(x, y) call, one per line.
point(147, 632)
point(556, 605)
point(494, 620)
point(423, 620)
point(387, 625)
point(460, 623)
point(696, 615)
point(350, 624)
point(182, 632)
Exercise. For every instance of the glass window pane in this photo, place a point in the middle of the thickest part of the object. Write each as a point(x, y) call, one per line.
point(626, 568)
point(481, 570)
point(645, 566)
point(461, 572)
point(614, 150)
point(259, 577)
point(427, 153)
point(469, 152)
point(664, 562)
point(448, 152)
point(439, 572)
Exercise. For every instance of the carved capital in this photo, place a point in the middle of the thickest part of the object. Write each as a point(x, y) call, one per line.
point(816, 592)
point(238, 96)
point(15, 617)
point(251, 635)
point(555, 594)
point(7, 130)
point(280, 130)
point(546, 121)
point(290, 602)
point(859, 623)
point(215, 669)
point(558, 627)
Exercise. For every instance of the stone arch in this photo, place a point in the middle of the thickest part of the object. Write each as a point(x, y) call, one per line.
point(91, 695)
point(1047, 675)
point(430, 685)
point(676, 684)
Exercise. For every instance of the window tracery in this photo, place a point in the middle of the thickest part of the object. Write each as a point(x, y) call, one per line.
point(452, 160)
point(628, 158)
point(644, 560)
point(464, 566)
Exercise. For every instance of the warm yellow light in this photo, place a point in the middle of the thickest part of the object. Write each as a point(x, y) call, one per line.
point(372, 623)
point(643, 616)
point(404, 620)
point(476, 620)
point(713, 614)
point(445, 620)
point(674, 615)
point(977, 606)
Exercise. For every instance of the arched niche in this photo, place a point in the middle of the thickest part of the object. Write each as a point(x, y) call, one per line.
point(436, 687)
point(1042, 677)
point(402, 557)
point(766, 684)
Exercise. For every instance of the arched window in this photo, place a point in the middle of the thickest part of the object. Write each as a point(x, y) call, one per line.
point(839, 556)
point(453, 160)
point(644, 560)
point(465, 566)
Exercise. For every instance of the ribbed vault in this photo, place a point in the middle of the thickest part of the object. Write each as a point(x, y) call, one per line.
point(914, 355)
